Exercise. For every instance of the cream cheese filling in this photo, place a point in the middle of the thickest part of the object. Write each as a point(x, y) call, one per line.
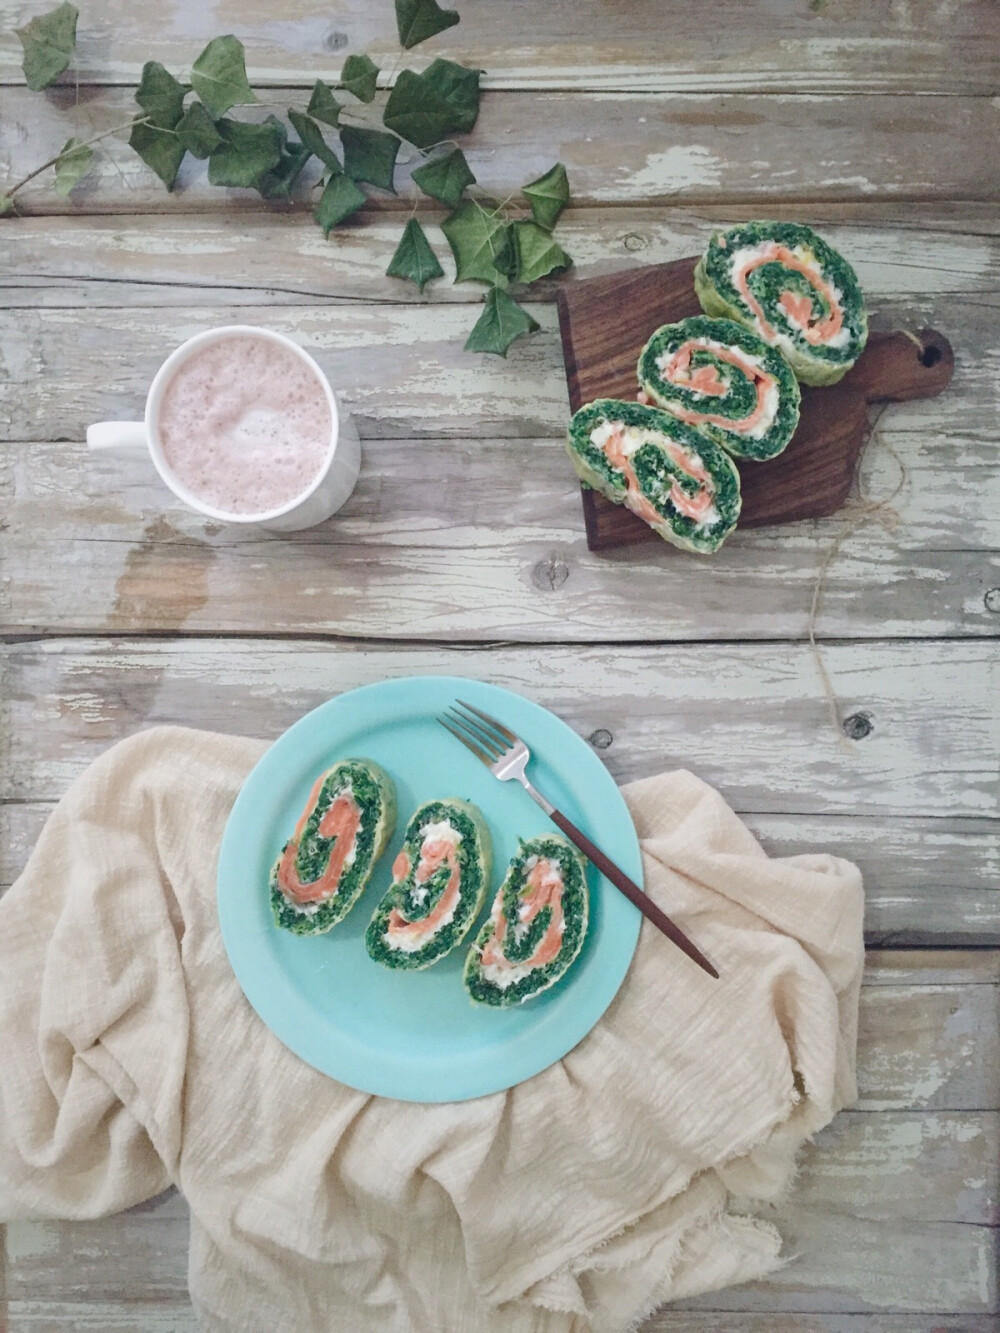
point(748, 254)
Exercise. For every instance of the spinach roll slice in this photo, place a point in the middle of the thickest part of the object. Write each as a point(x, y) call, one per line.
point(793, 289)
point(672, 476)
point(439, 883)
point(721, 378)
point(326, 863)
point(536, 927)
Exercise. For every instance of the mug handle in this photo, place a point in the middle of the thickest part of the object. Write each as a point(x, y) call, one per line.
point(124, 437)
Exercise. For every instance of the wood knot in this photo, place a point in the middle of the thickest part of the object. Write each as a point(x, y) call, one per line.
point(858, 726)
point(334, 40)
point(600, 739)
point(633, 242)
point(548, 575)
point(992, 600)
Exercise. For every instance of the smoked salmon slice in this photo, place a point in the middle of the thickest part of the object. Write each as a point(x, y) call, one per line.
point(788, 285)
point(324, 866)
point(670, 474)
point(536, 927)
point(723, 379)
point(439, 881)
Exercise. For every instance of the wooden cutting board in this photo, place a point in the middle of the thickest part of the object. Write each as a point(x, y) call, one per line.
point(604, 323)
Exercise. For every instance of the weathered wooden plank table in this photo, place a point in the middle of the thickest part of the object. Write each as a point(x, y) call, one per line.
point(462, 549)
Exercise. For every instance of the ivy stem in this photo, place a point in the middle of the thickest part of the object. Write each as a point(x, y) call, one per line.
point(498, 210)
point(105, 134)
point(392, 73)
point(442, 143)
point(365, 123)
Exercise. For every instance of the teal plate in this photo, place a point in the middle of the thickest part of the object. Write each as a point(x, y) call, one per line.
point(417, 1036)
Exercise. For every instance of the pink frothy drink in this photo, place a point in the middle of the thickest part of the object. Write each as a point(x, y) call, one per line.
point(245, 425)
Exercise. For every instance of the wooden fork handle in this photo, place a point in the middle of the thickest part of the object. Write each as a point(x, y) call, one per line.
point(632, 891)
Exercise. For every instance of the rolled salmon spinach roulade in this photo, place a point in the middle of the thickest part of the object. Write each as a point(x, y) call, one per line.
point(672, 476)
point(793, 289)
point(326, 863)
point(439, 883)
point(721, 378)
point(536, 926)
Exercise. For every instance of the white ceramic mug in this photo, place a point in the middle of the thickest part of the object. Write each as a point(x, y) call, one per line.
point(323, 497)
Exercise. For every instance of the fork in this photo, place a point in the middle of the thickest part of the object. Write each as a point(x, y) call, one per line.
point(506, 756)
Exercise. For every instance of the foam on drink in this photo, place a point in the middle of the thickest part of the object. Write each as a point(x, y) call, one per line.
point(245, 424)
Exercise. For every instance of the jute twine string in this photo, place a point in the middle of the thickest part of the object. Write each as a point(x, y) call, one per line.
point(866, 510)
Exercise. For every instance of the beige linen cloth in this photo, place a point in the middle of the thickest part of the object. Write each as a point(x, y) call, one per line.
point(582, 1199)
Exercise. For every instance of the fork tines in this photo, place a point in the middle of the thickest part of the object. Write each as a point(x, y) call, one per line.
point(487, 738)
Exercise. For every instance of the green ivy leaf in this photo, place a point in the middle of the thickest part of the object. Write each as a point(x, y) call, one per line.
point(426, 108)
point(416, 113)
point(49, 41)
point(280, 126)
point(369, 155)
point(219, 75)
point(414, 259)
point(160, 95)
point(548, 196)
point(417, 20)
point(72, 165)
point(339, 200)
point(360, 77)
point(246, 152)
point(445, 178)
point(501, 322)
point(312, 137)
point(506, 259)
point(196, 131)
point(476, 238)
point(323, 105)
point(159, 148)
point(459, 86)
point(538, 253)
point(277, 184)
point(6, 206)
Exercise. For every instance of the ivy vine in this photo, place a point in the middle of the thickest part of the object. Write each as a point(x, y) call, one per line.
point(357, 142)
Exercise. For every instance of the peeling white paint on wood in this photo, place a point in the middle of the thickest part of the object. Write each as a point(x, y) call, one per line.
point(916, 1069)
point(681, 167)
point(871, 1266)
point(748, 718)
point(633, 148)
point(111, 261)
point(852, 45)
point(128, 1316)
point(402, 369)
point(482, 539)
point(896, 1202)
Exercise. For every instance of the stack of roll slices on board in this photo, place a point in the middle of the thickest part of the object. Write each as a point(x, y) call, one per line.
point(781, 306)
